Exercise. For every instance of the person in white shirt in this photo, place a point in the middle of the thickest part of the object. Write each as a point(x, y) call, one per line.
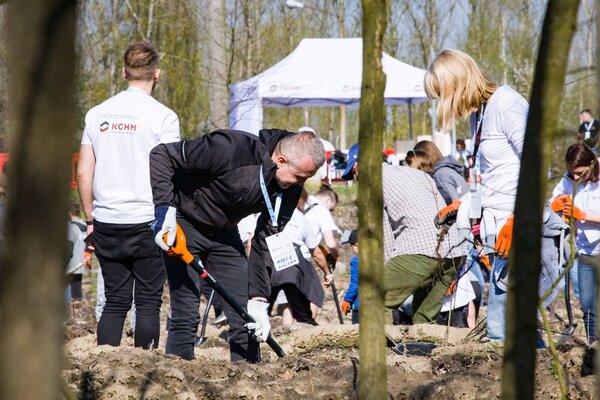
point(578, 195)
point(498, 117)
point(113, 177)
point(318, 211)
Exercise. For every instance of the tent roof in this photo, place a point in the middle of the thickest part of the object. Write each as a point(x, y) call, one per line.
point(328, 72)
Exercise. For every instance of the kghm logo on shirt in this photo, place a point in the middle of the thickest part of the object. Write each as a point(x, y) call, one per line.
point(118, 127)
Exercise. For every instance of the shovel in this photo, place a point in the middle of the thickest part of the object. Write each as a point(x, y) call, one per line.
point(179, 249)
point(569, 330)
point(201, 339)
point(331, 261)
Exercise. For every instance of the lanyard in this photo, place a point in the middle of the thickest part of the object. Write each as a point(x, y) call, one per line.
point(589, 125)
point(272, 214)
point(480, 116)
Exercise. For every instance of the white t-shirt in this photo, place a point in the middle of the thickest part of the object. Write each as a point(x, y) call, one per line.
point(319, 218)
point(587, 199)
point(301, 233)
point(122, 131)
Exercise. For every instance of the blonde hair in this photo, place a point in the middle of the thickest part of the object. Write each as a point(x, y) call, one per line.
point(457, 82)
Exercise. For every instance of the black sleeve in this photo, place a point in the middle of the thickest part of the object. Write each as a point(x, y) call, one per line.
point(260, 264)
point(207, 156)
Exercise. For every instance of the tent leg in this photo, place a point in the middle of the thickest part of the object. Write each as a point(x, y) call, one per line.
point(410, 125)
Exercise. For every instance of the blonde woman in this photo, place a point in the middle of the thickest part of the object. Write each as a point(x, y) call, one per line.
point(498, 115)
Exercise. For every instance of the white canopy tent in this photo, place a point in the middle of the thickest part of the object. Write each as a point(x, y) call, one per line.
point(319, 73)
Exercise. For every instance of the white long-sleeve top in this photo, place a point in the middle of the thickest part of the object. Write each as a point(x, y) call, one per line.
point(587, 199)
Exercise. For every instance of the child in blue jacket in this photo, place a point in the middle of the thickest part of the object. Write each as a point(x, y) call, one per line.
point(351, 297)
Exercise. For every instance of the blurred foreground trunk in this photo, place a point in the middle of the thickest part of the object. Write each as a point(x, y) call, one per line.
point(32, 267)
point(373, 368)
point(518, 375)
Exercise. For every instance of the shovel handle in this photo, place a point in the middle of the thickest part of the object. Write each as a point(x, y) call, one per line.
point(179, 249)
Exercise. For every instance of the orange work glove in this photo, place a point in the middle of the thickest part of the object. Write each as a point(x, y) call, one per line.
point(451, 288)
point(486, 261)
point(345, 306)
point(559, 202)
point(87, 258)
point(570, 210)
point(447, 215)
point(504, 240)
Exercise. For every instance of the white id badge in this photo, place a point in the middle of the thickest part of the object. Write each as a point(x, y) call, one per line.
point(282, 251)
point(475, 204)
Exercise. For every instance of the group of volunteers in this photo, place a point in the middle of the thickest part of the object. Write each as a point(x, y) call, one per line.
point(138, 182)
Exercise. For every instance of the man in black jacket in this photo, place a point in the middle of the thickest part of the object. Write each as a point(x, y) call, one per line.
point(207, 185)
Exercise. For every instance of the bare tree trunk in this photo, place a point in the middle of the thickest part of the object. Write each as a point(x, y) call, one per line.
point(112, 64)
point(42, 61)
point(518, 378)
point(373, 369)
point(596, 16)
point(4, 79)
point(218, 65)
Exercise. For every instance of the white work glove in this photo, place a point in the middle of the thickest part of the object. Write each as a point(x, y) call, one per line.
point(262, 326)
point(165, 222)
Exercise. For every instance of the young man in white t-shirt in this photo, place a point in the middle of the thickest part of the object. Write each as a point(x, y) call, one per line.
point(114, 186)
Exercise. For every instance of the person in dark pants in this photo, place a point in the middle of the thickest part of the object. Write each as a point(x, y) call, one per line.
point(114, 186)
point(297, 281)
point(207, 185)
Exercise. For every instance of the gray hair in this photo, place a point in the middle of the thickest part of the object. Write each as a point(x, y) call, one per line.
point(303, 143)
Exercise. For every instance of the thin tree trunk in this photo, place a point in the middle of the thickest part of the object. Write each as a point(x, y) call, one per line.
point(4, 79)
point(373, 370)
point(596, 15)
point(42, 87)
point(518, 378)
point(218, 64)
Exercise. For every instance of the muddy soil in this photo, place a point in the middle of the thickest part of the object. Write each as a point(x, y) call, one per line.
point(321, 362)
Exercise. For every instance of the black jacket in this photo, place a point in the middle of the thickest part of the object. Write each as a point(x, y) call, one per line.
point(213, 181)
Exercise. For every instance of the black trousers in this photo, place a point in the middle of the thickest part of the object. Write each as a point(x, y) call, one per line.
point(297, 301)
point(127, 253)
point(75, 281)
point(224, 256)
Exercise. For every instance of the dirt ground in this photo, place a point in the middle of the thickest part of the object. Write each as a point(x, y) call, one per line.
point(321, 362)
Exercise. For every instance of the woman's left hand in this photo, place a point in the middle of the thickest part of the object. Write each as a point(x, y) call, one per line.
point(504, 240)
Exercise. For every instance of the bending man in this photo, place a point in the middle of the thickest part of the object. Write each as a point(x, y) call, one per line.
point(207, 186)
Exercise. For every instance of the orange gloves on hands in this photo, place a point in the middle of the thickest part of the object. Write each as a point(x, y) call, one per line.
point(559, 202)
point(504, 240)
point(447, 215)
point(570, 210)
point(564, 205)
point(345, 306)
point(87, 258)
point(486, 261)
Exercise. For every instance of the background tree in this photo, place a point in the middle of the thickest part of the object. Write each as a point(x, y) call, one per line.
point(518, 376)
point(373, 368)
point(3, 79)
point(32, 272)
point(218, 66)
